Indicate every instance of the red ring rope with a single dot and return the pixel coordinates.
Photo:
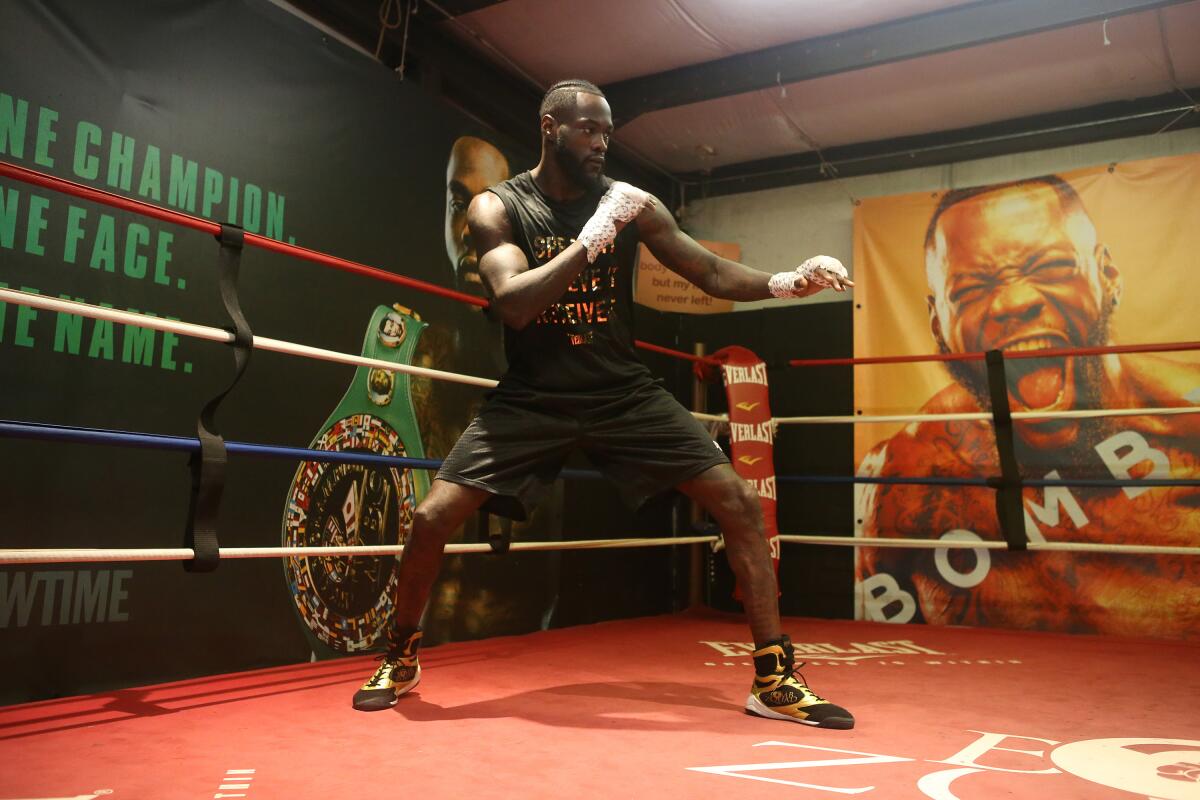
(1049, 352)
(255, 240)
(188, 221)
(36, 178)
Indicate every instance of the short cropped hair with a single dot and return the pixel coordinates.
(559, 99)
(1080, 226)
(1066, 193)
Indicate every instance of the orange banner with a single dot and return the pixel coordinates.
(660, 288)
(1105, 255)
(752, 432)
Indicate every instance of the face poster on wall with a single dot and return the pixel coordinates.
(1100, 256)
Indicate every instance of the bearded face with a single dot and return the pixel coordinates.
(581, 138)
(581, 168)
(1019, 269)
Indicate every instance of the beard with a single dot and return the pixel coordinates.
(1088, 378)
(572, 166)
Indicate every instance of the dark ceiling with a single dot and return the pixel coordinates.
(695, 123)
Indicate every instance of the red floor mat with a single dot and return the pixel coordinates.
(645, 708)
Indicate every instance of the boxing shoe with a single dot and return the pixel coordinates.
(398, 672)
(779, 692)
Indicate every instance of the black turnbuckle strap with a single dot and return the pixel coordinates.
(1008, 489)
(500, 540)
(208, 466)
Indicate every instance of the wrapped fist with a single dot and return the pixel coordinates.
(820, 270)
(620, 204)
(824, 271)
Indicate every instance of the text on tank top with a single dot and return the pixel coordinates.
(584, 341)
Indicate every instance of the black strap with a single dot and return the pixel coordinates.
(1008, 488)
(500, 540)
(208, 466)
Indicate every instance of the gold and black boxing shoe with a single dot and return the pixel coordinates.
(398, 673)
(778, 694)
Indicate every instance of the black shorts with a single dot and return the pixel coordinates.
(644, 442)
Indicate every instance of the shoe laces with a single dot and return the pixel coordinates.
(792, 674)
(383, 670)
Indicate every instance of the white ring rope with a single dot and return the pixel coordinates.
(219, 335)
(65, 556)
(278, 346)
(58, 556)
(97, 555)
(971, 416)
(953, 544)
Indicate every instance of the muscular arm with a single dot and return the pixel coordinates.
(716, 276)
(519, 294)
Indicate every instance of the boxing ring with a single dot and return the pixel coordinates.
(628, 708)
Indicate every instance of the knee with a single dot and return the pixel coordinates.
(431, 522)
(740, 502)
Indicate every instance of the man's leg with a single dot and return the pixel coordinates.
(437, 517)
(778, 691)
(732, 502)
(446, 507)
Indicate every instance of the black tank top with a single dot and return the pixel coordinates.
(584, 341)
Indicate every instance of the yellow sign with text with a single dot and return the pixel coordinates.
(660, 288)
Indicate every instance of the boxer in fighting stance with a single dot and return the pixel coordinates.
(556, 258)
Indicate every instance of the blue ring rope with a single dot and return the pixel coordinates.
(990, 482)
(153, 441)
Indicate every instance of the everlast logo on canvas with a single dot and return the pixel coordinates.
(888, 648)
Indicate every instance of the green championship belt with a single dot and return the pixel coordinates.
(346, 602)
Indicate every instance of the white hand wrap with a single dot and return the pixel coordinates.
(783, 284)
(620, 204)
(809, 269)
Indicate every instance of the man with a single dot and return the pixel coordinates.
(1019, 266)
(557, 247)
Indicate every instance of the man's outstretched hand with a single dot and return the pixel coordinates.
(818, 272)
(824, 271)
